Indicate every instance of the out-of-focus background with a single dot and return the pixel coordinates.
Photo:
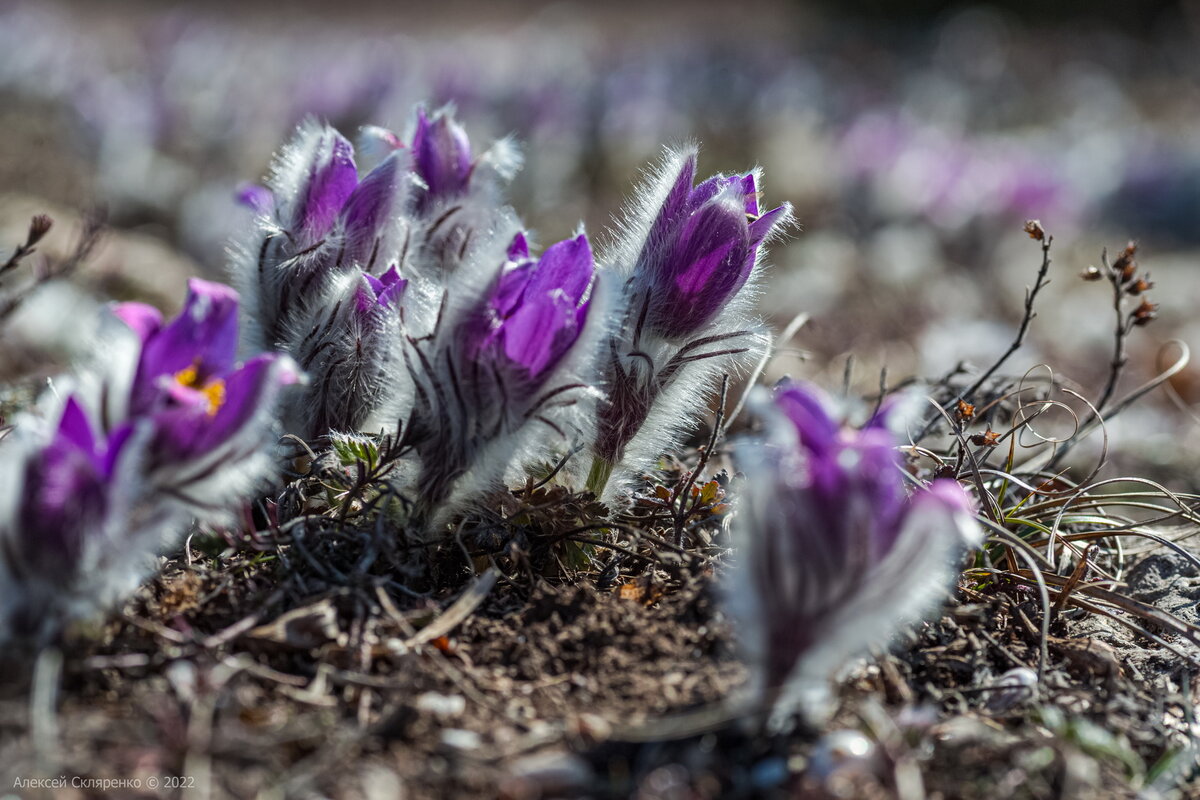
(913, 138)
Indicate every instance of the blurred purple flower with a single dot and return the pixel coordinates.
(834, 555)
(187, 379)
(66, 491)
(189, 384)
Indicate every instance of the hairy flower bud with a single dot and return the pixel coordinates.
(441, 156)
(700, 251)
(506, 365)
(689, 254)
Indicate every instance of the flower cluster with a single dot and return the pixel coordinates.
(329, 264)
(172, 429)
(834, 553)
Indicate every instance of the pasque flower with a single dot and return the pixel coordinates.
(441, 157)
(209, 413)
(690, 253)
(834, 554)
(504, 368)
(700, 251)
(169, 428)
(65, 490)
(349, 357)
(316, 220)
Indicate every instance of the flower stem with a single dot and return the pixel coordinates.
(598, 476)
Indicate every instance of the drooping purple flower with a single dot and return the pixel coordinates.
(187, 378)
(441, 156)
(700, 250)
(834, 554)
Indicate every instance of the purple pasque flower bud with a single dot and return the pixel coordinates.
(507, 365)
(207, 410)
(441, 157)
(330, 178)
(376, 293)
(347, 355)
(534, 312)
(834, 555)
(689, 253)
(316, 221)
(700, 250)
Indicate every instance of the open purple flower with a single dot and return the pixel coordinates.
(202, 402)
(700, 250)
(835, 556)
(441, 156)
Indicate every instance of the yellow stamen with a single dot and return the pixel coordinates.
(189, 377)
(213, 391)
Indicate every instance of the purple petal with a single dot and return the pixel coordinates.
(203, 338)
(368, 210)
(510, 289)
(540, 332)
(331, 179)
(143, 319)
(676, 204)
(519, 249)
(75, 428)
(804, 405)
(392, 277)
(442, 155)
(566, 267)
(750, 191)
(392, 293)
(375, 284)
(762, 226)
